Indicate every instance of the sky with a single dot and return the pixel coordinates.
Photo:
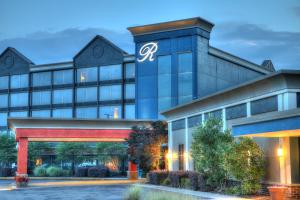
(55, 30)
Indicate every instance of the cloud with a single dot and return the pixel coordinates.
(49, 47)
(257, 43)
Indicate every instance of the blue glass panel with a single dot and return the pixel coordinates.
(111, 92)
(41, 79)
(3, 119)
(3, 101)
(19, 99)
(110, 112)
(130, 70)
(41, 98)
(185, 84)
(86, 94)
(3, 82)
(19, 81)
(111, 72)
(63, 77)
(90, 113)
(130, 91)
(130, 111)
(62, 96)
(18, 114)
(62, 113)
(164, 82)
(87, 75)
(41, 113)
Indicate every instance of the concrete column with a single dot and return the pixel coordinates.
(280, 102)
(285, 161)
(290, 100)
(22, 155)
(187, 146)
(224, 119)
(248, 105)
(170, 147)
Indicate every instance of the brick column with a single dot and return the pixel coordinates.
(132, 171)
(22, 155)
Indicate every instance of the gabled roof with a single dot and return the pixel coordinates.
(18, 53)
(102, 38)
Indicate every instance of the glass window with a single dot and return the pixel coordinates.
(3, 101)
(217, 114)
(181, 156)
(179, 124)
(62, 113)
(87, 75)
(111, 92)
(194, 121)
(19, 99)
(41, 113)
(130, 91)
(90, 112)
(130, 111)
(164, 82)
(129, 70)
(63, 77)
(298, 99)
(41, 98)
(111, 72)
(111, 112)
(41, 79)
(264, 105)
(185, 79)
(62, 96)
(19, 81)
(3, 119)
(237, 111)
(86, 94)
(3, 82)
(18, 114)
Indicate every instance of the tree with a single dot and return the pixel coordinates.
(73, 152)
(144, 145)
(209, 148)
(246, 164)
(8, 151)
(37, 150)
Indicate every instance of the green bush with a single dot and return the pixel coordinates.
(67, 173)
(166, 182)
(185, 183)
(39, 171)
(54, 171)
(134, 193)
(157, 177)
(166, 196)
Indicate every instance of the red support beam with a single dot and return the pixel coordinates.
(22, 155)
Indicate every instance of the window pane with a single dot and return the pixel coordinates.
(41, 113)
(130, 111)
(3, 101)
(194, 121)
(62, 96)
(3, 119)
(87, 75)
(3, 82)
(19, 81)
(130, 70)
(62, 113)
(41, 79)
(179, 124)
(41, 98)
(264, 105)
(185, 84)
(217, 114)
(111, 72)
(111, 112)
(130, 91)
(86, 94)
(298, 99)
(63, 77)
(112, 92)
(237, 111)
(164, 82)
(18, 114)
(19, 99)
(86, 112)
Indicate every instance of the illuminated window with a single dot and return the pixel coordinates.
(87, 75)
(110, 112)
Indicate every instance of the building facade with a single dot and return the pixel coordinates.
(173, 64)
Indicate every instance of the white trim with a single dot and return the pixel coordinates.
(170, 146)
(187, 146)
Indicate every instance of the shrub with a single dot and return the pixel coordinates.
(67, 172)
(40, 171)
(166, 182)
(54, 171)
(176, 176)
(103, 171)
(134, 193)
(194, 180)
(81, 172)
(93, 172)
(185, 183)
(6, 171)
(166, 196)
(157, 177)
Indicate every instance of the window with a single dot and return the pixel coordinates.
(194, 121)
(237, 111)
(3, 101)
(185, 79)
(298, 99)
(3, 82)
(3, 119)
(112, 92)
(87, 75)
(18, 114)
(19, 81)
(62, 96)
(63, 77)
(41, 113)
(86, 94)
(19, 99)
(181, 156)
(90, 112)
(264, 105)
(130, 91)
(130, 111)
(111, 72)
(164, 82)
(110, 112)
(129, 70)
(62, 113)
(41, 98)
(41, 79)
(179, 124)
(217, 114)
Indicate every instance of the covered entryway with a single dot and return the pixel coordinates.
(69, 130)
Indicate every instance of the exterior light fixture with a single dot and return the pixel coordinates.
(116, 113)
(82, 77)
(279, 152)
